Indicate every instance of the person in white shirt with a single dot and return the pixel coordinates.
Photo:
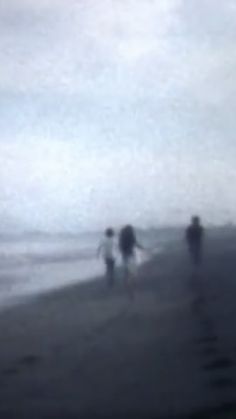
(107, 249)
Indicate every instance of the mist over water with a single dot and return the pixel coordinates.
(32, 264)
(55, 187)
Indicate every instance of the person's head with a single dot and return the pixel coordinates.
(129, 230)
(109, 232)
(196, 220)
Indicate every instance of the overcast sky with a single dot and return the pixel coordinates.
(116, 111)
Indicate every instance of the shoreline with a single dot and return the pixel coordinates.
(32, 294)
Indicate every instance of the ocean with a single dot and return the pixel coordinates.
(32, 264)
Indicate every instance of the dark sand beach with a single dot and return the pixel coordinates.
(85, 351)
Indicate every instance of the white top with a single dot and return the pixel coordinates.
(107, 248)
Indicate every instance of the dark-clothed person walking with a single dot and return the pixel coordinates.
(194, 237)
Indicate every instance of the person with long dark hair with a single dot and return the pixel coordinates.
(128, 244)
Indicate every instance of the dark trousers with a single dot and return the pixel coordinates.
(195, 250)
(110, 270)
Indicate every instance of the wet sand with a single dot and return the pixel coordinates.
(86, 351)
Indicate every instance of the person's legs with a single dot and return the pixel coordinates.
(193, 254)
(197, 254)
(129, 274)
(110, 268)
